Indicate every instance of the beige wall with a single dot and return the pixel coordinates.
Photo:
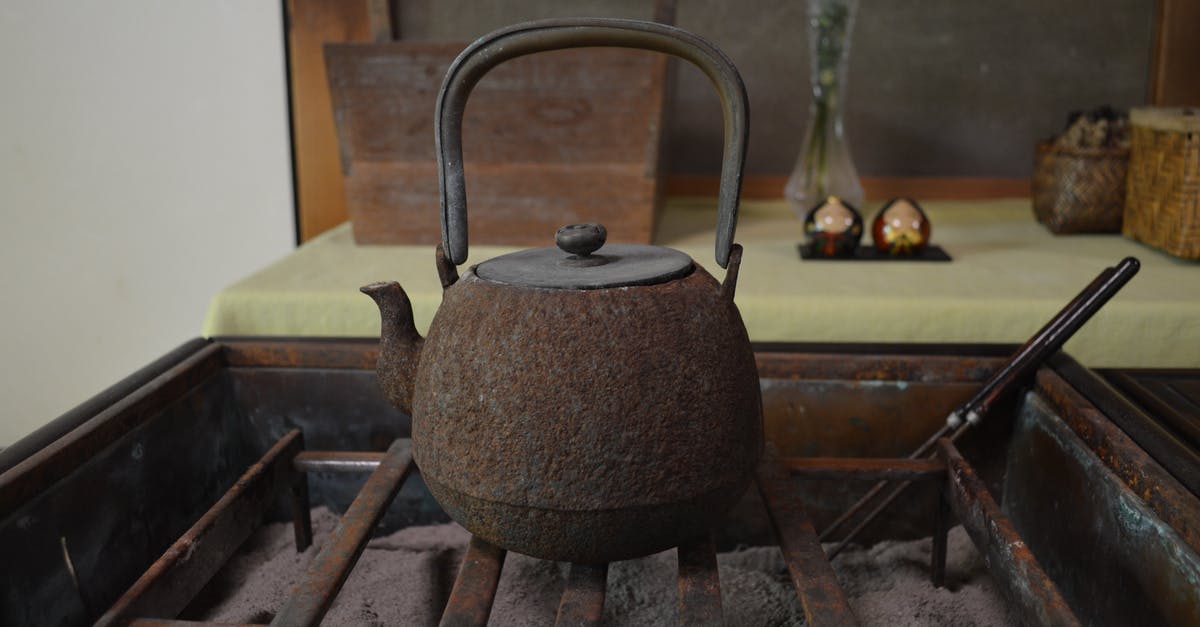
(143, 166)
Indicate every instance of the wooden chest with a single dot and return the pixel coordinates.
(549, 139)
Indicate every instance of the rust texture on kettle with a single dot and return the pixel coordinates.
(399, 343)
(587, 426)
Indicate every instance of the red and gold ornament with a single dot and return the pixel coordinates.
(833, 229)
(901, 228)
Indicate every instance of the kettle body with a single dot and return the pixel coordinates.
(587, 426)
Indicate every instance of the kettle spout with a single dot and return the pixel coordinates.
(399, 343)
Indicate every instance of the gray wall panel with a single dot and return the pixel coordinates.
(936, 87)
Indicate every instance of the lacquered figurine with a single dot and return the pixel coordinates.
(901, 228)
(833, 229)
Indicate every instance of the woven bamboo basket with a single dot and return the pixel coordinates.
(1162, 205)
(1079, 190)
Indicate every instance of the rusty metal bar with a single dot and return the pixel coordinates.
(883, 504)
(301, 509)
(864, 468)
(165, 622)
(822, 597)
(941, 531)
(1010, 561)
(312, 598)
(699, 584)
(1147, 387)
(879, 362)
(174, 579)
(891, 496)
(582, 601)
(324, 353)
(338, 461)
(475, 588)
(875, 491)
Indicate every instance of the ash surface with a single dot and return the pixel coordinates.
(405, 579)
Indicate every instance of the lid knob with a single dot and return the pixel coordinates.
(581, 239)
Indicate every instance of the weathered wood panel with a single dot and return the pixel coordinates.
(549, 139)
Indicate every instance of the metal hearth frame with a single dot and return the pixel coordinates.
(171, 583)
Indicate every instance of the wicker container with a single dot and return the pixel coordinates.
(1079, 190)
(1162, 207)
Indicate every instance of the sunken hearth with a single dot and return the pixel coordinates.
(127, 513)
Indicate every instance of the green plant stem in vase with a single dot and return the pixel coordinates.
(825, 167)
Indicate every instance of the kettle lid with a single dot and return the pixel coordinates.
(581, 261)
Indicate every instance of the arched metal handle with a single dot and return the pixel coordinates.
(522, 39)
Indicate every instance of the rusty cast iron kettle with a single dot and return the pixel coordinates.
(588, 404)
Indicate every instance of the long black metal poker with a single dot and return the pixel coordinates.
(1048, 340)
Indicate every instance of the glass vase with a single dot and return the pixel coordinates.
(825, 167)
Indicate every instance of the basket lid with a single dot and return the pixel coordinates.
(1179, 119)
